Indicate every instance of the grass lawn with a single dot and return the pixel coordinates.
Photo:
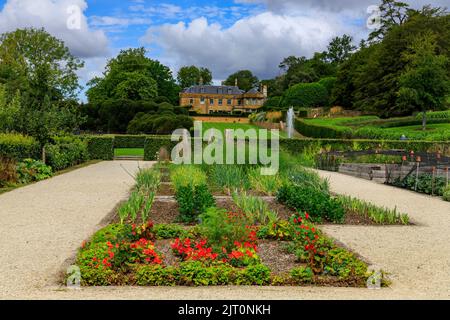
(129, 152)
(223, 126)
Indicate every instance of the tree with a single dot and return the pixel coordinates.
(192, 76)
(136, 86)
(38, 64)
(9, 111)
(245, 80)
(392, 13)
(116, 81)
(340, 49)
(425, 83)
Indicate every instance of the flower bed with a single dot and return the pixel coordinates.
(240, 240)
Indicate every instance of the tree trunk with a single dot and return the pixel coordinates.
(424, 121)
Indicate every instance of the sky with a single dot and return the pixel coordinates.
(224, 36)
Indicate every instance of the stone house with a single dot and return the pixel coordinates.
(222, 99)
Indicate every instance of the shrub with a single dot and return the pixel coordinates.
(254, 275)
(309, 199)
(18, 147)
(153, 145)
(446, 195)
(156, 275)
(302, 275)
(223, 229)
(129, 141)
(8, 172)
(186, 175)
(170, 231)
(65, 152)
(161, 123)
(306, 95)
(344, 264)
(425, 184)
(30, 170)
(328, 83)
(231, 178)
(197, 274)
(100, 147)
(193, 201)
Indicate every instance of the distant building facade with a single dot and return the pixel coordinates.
(219, 99)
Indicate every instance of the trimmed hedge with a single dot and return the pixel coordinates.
(100, 147)
(370, 131)
(305, 95)
(298, 145)
(66, 152)
(18, 147)
(154, 143)
(129, 141)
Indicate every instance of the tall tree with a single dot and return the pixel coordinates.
(38, 64)
(191, 76)
(425, 83)
(392, 13)
(245, 80)
(340, 49)
(133, 75)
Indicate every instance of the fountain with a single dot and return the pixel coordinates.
(290, 123)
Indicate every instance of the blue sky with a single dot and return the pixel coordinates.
(224, 36)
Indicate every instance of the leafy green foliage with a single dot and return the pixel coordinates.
(230, 178)
(446, 194)
(192, 76)
(193, 201)
(17, 146)
(30, 170)
(425, 184)
(133, 76)
(100, 147)
(305, 198)
(170, 231)
(305, 95)
(302, 275)
(377, 214)
(245, 80)
(159, 124)
(65, 152)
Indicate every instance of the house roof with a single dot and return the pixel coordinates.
(214, 90)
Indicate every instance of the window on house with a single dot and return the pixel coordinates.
(211, 101)
(229, 102)
(191, 101)
(202, 100)
(220, 102)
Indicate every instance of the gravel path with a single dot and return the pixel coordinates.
(43, 224)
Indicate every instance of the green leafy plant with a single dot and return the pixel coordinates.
(302, 275)
(377, 214)
(264, 184)
(255, 208)
(30, 170)
(148, 180)
(170, 231)
(193, 201)
(230, 178)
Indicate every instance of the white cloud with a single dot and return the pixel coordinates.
(53, 16)
(258, 43)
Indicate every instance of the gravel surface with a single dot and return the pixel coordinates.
(42, 225)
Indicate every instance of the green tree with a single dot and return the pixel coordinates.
(115, 83)
(39, 65)
(136, 86)
(245, 80)
(340, 49)
(191, 76)
(392, 13)
(9, 111)
(425, 83)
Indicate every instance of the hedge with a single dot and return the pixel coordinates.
(298, 145)
(129, 141)
(154, 143)
(305, 95)
(66, 152)
(368, 132)
(18, 147)
(100, 147)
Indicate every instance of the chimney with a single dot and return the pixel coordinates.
(201, 81)
(265, 92)
(236, 82)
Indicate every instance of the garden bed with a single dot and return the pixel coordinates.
(197, 239)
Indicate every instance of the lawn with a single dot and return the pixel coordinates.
(138, 152)
(223, 126)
